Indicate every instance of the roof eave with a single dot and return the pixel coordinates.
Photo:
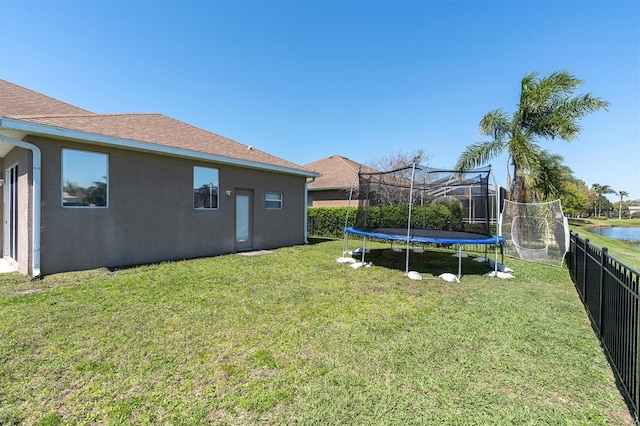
(30, 128)
(329, 188)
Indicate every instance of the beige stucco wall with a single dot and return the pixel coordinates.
(151, 218)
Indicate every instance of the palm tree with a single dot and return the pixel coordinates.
(547, 109)
(622, 194)
(601, 190)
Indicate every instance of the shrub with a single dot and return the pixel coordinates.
(330, 221)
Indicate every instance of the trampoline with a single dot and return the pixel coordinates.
(427, 236)
(420, 205)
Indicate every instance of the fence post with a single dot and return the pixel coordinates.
(637, 373)
(574, 238)
(603, 271)
(584, 269)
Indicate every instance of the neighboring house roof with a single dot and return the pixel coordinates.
(36, 114)
(337, 173)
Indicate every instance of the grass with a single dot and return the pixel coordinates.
(293, 337)
(621, 250)
(609, 222)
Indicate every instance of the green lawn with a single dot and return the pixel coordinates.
(293, 337)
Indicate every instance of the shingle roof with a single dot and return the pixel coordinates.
(26, 105)
(160, 130)
(18, 100)
(337, 172)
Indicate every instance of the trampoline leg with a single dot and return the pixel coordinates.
(459, 261)
(364, 247)
(345, 244)
(406, 267)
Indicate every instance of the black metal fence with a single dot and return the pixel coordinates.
(609, 290)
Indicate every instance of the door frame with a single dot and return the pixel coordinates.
(243, 221)
(32, 170)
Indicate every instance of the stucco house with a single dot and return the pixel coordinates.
(84, 190)
(332, 188)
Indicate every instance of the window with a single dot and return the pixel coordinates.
(84, 178)
(205, 188)
(273, 200)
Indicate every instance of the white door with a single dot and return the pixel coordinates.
(243, 220)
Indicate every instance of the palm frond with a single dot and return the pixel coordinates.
(528, 83)
(555, 123)
(550, 110)
(479, 154)
(582, 105)
(496, 124)
(561, 83)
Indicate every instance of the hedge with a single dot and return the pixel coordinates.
(330, 221)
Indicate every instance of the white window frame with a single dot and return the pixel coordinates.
(276, 198)
(62, 178)
(216, 184)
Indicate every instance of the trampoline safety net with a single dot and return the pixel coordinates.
(434, 199)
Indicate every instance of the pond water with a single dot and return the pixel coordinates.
(619, 233)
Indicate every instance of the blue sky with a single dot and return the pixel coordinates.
(304, 80)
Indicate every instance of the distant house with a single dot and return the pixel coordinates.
(84, 190)
(332, 189)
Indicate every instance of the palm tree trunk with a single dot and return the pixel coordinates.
(620, 209)
(518, 191)
(599, 205)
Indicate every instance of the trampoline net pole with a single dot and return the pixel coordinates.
(498, 215)
(413, 173)
(346, 219)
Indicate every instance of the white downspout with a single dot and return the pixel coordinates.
(36, 190)
(306, 206)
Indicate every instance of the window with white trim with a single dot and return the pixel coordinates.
(85, 178)
(273, 200)
(205, 188)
